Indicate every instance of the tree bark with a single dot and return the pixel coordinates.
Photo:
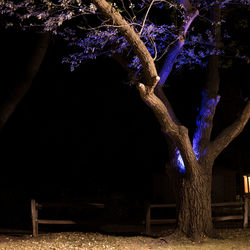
(194, 205)
(31, 68)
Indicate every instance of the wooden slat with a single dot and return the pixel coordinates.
(219, 218)
(229, 217)
(70, 204)
(220, 204)
(227, 204)
(162, 221)
(56, 222)
(97, 205)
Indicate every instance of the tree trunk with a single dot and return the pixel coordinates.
(194, 214)
(29, 71)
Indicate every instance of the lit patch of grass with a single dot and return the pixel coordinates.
(232, 239)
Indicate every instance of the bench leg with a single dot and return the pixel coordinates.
(34, 216)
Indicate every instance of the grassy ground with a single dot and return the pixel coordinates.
(232, 239)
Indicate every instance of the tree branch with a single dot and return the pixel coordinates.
(174, 51)
(178, 133)
(228, 134)
(210, 98)
(145, 18)
(175, 48)
(133, 39)
(171, 57)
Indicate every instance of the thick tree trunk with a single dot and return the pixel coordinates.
(194, 217)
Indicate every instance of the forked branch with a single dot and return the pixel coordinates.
(178, 133)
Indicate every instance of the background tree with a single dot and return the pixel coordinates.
(29, 67)
(27, 73)
(131, 33)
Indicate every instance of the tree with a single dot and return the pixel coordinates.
(29, 68)
(26, 77)
(137, 40)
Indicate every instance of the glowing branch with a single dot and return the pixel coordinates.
(176, 47)
(188, 21)
(204, 124)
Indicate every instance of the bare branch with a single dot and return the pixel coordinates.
(146, 15)
(124, 7)
(229, 133)
(133, 39)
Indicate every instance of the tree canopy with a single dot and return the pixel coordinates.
(159, 23)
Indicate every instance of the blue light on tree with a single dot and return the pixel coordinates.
(208, 106)
(180, 163)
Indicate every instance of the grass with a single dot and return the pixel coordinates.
(232, 239)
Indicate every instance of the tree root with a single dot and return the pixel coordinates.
(196, 238)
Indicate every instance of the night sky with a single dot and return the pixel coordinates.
(88, 133)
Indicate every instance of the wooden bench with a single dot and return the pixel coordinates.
(243, 216)
(35, 206)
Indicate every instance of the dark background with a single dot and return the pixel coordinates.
(87, 135)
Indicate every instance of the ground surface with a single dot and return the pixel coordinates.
(232, 239)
